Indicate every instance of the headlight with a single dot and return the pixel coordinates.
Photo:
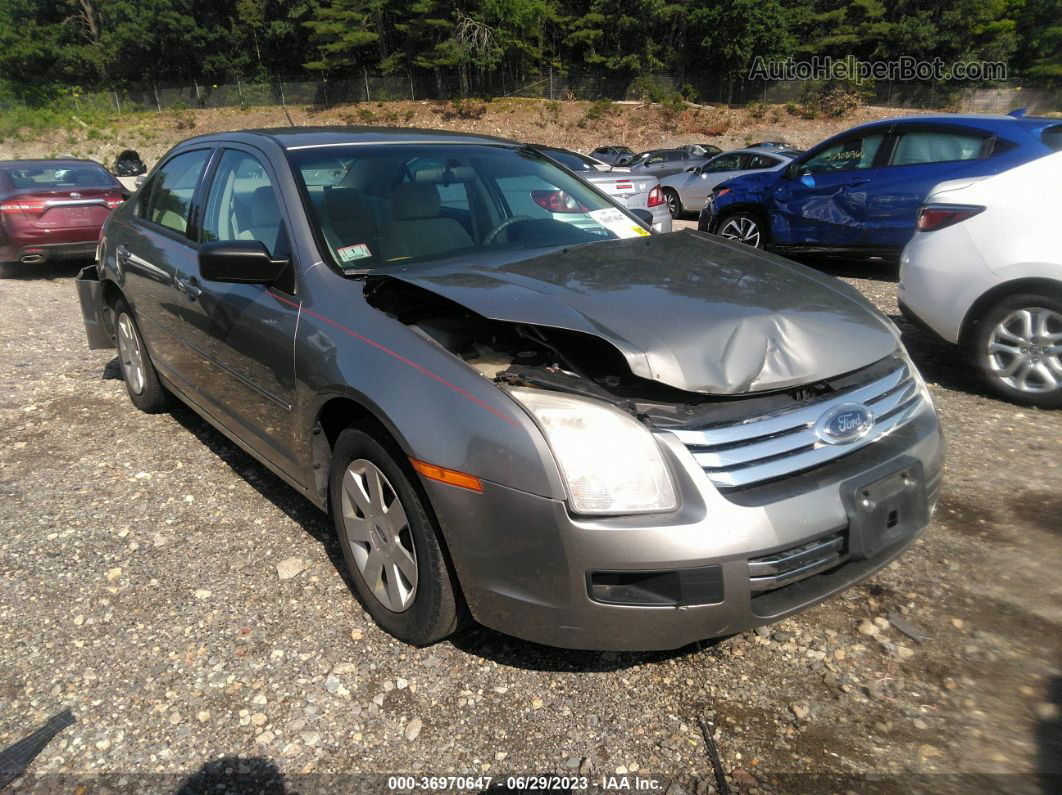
(919, 381)
(610, 462)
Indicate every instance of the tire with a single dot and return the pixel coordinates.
(420, 609)
(743, 227)
(141, 381)
(1017, 347)
(674, 203)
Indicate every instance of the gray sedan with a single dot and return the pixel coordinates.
(516, 403)
(688, 190)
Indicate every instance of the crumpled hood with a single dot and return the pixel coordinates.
(696, 313)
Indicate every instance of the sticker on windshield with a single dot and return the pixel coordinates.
(617, 223)
(352, 253)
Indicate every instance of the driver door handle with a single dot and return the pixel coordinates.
(189, 287)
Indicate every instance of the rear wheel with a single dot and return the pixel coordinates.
(674, 203)
(141, 381)
(390, 541)
(1018, 349)
(744, 227)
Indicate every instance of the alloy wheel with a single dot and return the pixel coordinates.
(379, 534)
(672, 203)
(130, 354)
(1025, 350)
(742, 229)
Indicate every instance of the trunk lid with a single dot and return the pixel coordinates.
(63, 208)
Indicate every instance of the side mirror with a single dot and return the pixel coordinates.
(644, 216)
(239, 262)
(693, 168)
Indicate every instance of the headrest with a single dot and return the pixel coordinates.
(264, 209)
(413, 200)
(343, 204)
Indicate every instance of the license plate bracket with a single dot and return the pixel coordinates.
(884, 509)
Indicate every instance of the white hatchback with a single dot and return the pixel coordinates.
(984, 270)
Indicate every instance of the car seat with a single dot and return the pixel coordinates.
(417, 229)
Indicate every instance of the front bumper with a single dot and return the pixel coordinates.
(661, 218)
(524, 561)
(706, 218)
(90, 296)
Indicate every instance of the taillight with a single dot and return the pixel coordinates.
(656, 197)
(932, 217)
(22, 206)
(113, 201)
(557, 201)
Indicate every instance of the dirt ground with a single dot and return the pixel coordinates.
(140, 588)
(569, 124)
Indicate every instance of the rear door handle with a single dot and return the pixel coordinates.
(189, 287)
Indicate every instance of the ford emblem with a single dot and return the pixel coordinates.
(845, 423)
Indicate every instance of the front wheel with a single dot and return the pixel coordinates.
(389, 540)
(674, 203)
(744, 228)
(1018, 349)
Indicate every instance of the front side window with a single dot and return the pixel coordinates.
(731, 162)
(408, 203)
(924, 146)
(242, 204)
(852, 153)
(168, 200)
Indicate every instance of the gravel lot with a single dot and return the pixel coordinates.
(139, 587)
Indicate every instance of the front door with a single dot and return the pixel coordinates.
(824, 203)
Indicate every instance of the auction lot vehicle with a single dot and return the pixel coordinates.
(857, 195)
(585, 436)
(984, 270)
(688, 190)
(633, 191)
(53, 210)
(611, 154)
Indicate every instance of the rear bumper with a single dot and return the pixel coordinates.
(33, 253)
(525, 563)
(661, 218)
(90, 296)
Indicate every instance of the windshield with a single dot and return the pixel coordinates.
(73, 175)
(404, 203)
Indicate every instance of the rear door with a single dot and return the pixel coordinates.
(825, 202)
(245, 333)
(152, 250)
(920, 156)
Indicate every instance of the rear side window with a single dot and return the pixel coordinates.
(168, 201)
(731, 162)
(923, 146)
(762, 161)
(1052, 138)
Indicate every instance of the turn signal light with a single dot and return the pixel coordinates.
(449, 476)
(932, 217)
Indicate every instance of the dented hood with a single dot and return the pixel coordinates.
(690, 311)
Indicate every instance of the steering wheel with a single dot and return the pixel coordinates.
(493, 233)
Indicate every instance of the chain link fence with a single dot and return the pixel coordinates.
(552, 84)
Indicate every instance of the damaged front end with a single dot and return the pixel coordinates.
(526, 355)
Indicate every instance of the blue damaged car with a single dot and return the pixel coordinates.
(857, 194)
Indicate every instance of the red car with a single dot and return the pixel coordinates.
(53, 209)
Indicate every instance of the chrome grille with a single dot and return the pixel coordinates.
(776, 445)
(788, 566)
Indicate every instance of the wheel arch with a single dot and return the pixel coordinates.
(979, 308)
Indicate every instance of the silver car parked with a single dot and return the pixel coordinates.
(688, 190)
(633, 191)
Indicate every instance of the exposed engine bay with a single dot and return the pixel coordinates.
(578, 363)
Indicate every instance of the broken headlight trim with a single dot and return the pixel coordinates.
(610, 462)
